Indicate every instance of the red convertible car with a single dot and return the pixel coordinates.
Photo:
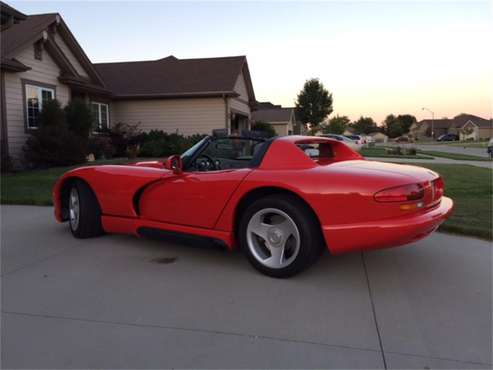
(282, 201)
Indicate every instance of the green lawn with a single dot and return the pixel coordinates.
(379, 152)
(470, 188)
(456, 156)
(34, 187)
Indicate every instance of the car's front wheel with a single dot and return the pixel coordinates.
(84, 211)
(280, 235)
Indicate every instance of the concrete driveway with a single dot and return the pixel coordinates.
(110, 303)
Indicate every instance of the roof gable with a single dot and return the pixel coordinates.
(44, 27)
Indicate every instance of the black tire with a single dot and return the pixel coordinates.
(311, 241)
(89, 222)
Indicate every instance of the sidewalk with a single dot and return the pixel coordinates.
(437, 160)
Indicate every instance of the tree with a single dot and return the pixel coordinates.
(407, 121)
(314, 102)
(392, 127)
(398, 126)
(264, 127)
(364, 125)
(336, 125)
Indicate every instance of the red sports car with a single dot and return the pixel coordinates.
(282, 201)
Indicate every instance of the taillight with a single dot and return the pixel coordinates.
(439, 187)
(404, 193)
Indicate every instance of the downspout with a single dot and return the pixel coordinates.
(3, 123)
(226, 113)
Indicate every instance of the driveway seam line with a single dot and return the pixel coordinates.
(379, 336)
(197, 330)
(33, 263)
(238, 335)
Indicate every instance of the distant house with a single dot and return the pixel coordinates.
(42, 60)
(467, 126)
(283, 120)
(379, 137)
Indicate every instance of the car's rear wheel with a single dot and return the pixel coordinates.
(280, 235)
(84, 211)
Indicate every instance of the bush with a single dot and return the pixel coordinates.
(412, 151)
(158, 143)
(53, 144)
(101, 147)
(79, 118)
(265, 128)
(396, 150)
(125, 138)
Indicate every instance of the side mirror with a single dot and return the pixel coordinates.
(174, 163)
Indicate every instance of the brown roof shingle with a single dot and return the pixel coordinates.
(25, 31)
(171, 76)
(273, 115)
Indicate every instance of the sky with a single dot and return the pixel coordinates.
(376, 58)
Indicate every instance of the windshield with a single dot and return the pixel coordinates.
(188, 154)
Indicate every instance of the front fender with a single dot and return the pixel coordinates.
(113, 185)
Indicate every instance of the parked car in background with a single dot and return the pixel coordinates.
(403, 139)
(357, 138)
(490, 148)
(448, 137)
(350, 143)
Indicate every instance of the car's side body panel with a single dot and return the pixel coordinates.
(192, 199)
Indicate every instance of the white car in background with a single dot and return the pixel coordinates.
(350, 143)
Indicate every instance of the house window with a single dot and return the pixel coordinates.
(36, 96)
(100, 113)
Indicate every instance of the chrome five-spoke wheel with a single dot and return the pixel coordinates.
(74, 208)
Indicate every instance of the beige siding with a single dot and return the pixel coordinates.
(185, 116)
(240, 87)
(239, 106)
(281, 128)
(240, 103)
(43, 71)
(70, 56)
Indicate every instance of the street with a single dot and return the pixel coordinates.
(123, 302)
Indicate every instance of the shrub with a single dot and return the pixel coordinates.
(101, 147)
(53, 144)
(157, 143)
(79, 118)
(124, 137)
(412, 151)
(265, 128)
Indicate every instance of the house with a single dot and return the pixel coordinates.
(379, 137)
(283, 120)
(187, 96)
(42, 60)
(467, 126)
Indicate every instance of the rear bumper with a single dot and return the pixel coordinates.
(386, 233)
